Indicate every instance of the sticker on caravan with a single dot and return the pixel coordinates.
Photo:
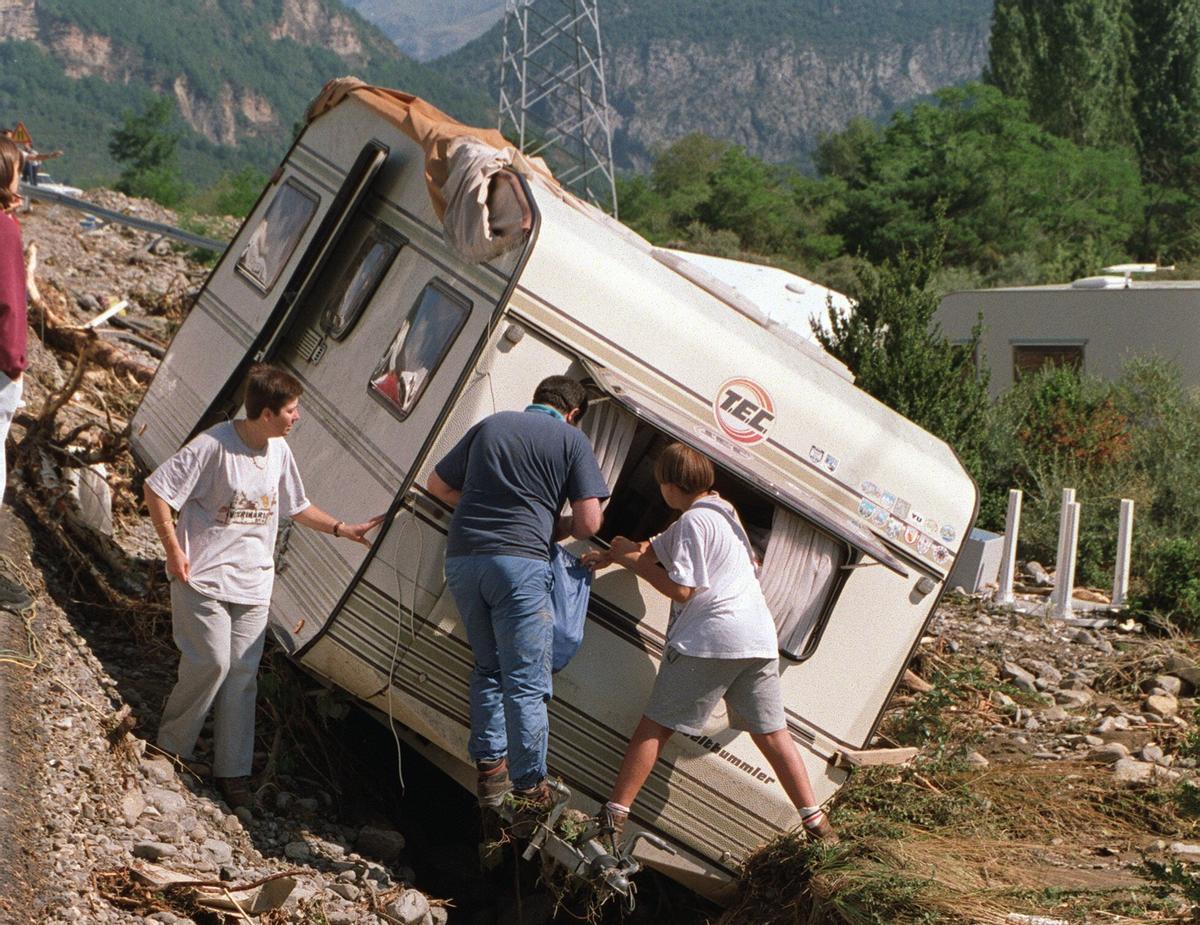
(743, 410)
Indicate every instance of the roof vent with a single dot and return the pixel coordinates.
(1099, 282)
(1125, 281)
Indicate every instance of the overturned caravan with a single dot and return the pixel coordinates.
(417, 275)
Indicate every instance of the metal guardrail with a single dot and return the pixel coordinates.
(109, 215)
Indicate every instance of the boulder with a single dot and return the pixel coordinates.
(1109, 753)
(133, 804)
(1163, 705)
(976, 760)
(1132, 771)
(411, 908)
(382, 844)
(1073, 700)
(1164, 683)
(1043, 669)
(1037, 573)
(1186, 670)
(153, 850)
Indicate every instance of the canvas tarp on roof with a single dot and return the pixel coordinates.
(440, 136)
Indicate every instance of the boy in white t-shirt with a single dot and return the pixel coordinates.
(721, 639)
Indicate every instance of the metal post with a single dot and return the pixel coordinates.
(1124, 544)
(1068, 498)
(1008, 559)
(1065, 578)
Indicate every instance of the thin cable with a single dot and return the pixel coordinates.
(412, 637)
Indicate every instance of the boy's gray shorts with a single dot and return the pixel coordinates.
(687, 690)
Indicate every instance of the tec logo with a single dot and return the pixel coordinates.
(743, 410)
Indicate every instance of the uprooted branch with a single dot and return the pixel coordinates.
(49, 314)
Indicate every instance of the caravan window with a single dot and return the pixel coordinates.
(358, 281)
(801, 567)
(277, 234)
(419, 347)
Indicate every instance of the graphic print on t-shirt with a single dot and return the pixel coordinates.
(246, 510)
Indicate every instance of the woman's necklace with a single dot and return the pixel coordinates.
(258, 458)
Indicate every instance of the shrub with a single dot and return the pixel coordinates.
(1137, 438)
(1172, 582)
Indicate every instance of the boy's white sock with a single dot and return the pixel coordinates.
(616, 808)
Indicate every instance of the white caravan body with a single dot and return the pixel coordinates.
(342, 267)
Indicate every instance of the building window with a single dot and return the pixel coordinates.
(419, 347)
(357, 283)
(277, 234)
(1029, 358)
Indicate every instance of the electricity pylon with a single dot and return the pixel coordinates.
(552, 93)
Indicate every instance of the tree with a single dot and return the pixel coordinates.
(1166, 107)
(145, 144)
(1006, 186)
(898, 353)
(1070, 61)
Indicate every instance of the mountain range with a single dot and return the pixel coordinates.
(240, 71)
(770, 75)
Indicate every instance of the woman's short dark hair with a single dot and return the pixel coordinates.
(683, 467)
(562, 393)
(269, 387)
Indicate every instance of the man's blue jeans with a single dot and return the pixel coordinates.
(505, 604)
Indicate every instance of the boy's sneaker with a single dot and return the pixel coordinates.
(530, 808)
(13, 596)
(817, 826)
(612, 824)
(492, 784)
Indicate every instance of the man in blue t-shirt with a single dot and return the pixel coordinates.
(507, 479)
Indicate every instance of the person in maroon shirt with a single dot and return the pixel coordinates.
(13, 327)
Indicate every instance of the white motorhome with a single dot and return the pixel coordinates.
(342, 275)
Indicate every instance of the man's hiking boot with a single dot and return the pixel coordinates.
(817, 826)
(492, 784)
(13, 596)
(530, 808)
(612, 827)
(236, 792)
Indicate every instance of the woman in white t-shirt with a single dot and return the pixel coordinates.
(721, 640)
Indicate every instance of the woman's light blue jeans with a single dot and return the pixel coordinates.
(504, 602)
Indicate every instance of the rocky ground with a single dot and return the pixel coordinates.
(97, 813)
(1105, 693)
(90, 814)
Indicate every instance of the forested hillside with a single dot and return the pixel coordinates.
(240, 73)
(769, 75)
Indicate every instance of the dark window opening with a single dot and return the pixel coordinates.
(419, 347)
(1029, 358)
(637, 509)
(801, 568)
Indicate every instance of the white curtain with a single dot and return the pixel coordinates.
(610, 429)
(797, 577)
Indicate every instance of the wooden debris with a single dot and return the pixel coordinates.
(915, 682)
(50, 315)
(247, 899)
